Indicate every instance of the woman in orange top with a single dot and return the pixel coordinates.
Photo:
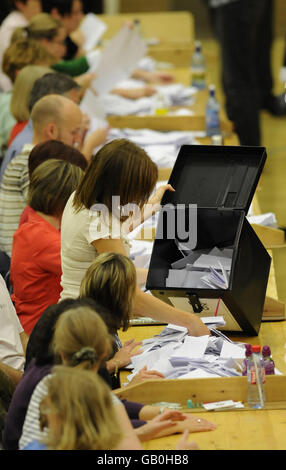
(35, 270)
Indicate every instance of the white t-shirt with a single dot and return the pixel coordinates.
(78, 231)
(11, 349)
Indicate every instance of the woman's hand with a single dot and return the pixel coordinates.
(193, 423)
(155, 200)
(145, 374)
(162, 423)
(124, 355)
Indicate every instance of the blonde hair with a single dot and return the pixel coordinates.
(81, 336)
(51, 185)
(41, 26)
(87, 417)
(111, 281)
(25, 52)
(23, 85)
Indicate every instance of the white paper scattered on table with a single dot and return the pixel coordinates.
(232, 350)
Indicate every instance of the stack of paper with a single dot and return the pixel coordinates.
(268, 219)
(201, 268)
(177, 355)
(162, 147)
(117, 105)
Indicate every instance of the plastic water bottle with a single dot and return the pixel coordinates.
(160, 105)
(255, 378)
(198, 67)
(212, 113)
(268, 362)
(137, 27)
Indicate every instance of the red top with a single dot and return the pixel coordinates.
(16, 129)
(25, 215)
(35, 270)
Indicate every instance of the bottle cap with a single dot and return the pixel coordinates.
(198, 45)
(256, 348)
(266, 351)
(212, 90)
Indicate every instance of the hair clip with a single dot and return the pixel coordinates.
(84, 354)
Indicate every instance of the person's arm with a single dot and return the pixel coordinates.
(134, 93)
(129, 440)
(153, 77)
(14, 374)
(24, 340)
(93, 140)
(73, 67)
(123, 357)
(146, 304)
(150, 208)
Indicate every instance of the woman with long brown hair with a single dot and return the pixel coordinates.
(120, 176)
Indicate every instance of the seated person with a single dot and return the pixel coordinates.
(70, 14)
(39, 361)
(87, 416)
(36, 262)
(81, 341)
(54, 117)
(50, 83)
(21, 11)
(13, 339)
(20, 96)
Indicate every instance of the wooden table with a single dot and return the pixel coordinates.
(172, 32)
(168, 122)
(236, 430)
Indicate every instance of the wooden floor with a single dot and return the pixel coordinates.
(271, 192)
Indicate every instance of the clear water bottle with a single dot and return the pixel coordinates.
(268, 362)
(198, 67)
(160, 104)
(212, 113)
(255, 378)
(137, 27)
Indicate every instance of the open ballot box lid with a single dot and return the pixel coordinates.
(206, 258)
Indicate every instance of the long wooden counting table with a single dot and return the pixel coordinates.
(241, 429)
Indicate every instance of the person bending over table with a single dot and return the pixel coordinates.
(120, 174)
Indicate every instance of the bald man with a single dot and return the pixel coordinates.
(54, 117)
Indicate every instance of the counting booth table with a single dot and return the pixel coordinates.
(171, 39)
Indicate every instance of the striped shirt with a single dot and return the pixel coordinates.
(31, 430)
(13, 195)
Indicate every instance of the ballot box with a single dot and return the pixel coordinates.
(206, 258)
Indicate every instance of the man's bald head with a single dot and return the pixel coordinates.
(56, 117)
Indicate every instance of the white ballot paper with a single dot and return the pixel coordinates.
(176, 354)
(119, 58)
(92, 28)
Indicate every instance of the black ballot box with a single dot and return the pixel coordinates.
(206, 257)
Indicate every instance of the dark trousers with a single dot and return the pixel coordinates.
(244, 31)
